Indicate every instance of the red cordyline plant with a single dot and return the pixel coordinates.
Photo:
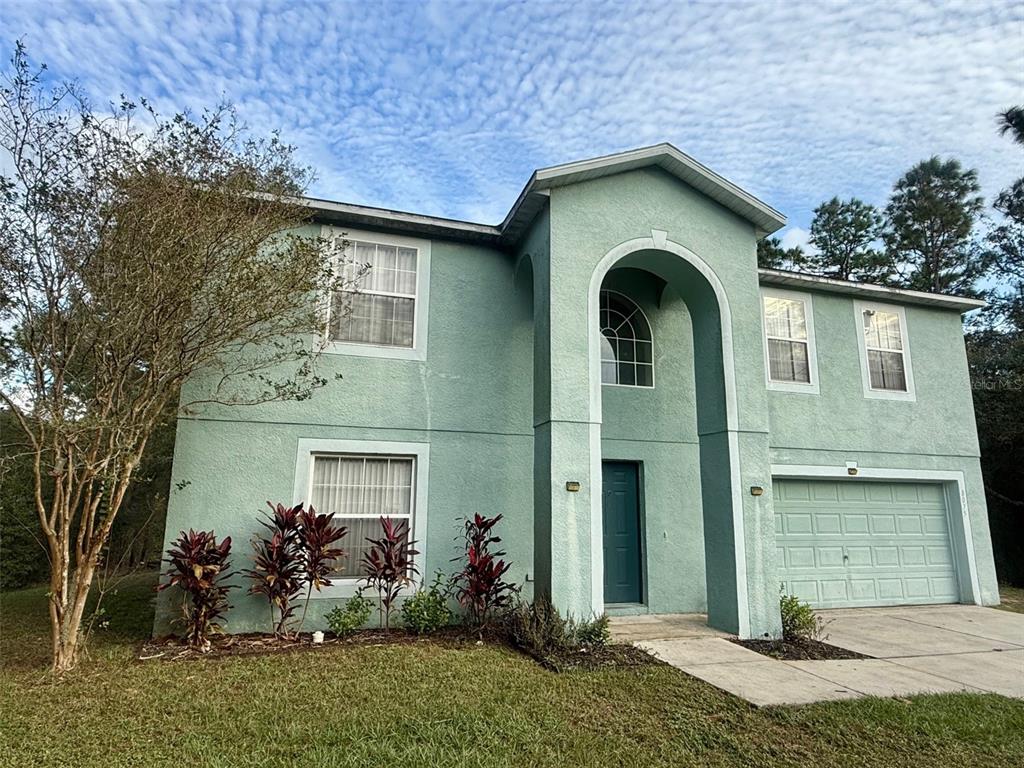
(278, 565)
(199, 566)
(317, 536)
(388, 565)
(480, 587)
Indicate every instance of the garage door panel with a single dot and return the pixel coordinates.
(801, 557)
(794, 524)
(852, 492)
(939, 556)
(820, 492)
(885, 556)
(863, 590)
(909, 524)
(855, 524)
(834, 590)
(861, 543)
(830, 557)
(920, 587)
(805, 590)
(911, 556)
(882, 525)
(879, 493)
(906, 492)
(859, 556)
(825, 524)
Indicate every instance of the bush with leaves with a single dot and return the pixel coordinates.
(540, 629)
(199, 567)
(388, 565)
(537, 628)
(593, 633)
(799, 621)
(480, 586)
(318, 535)
(346, 619)
(278, 565)
(427, 610)
(154, 250)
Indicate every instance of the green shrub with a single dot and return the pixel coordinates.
(427, 610)
(538, 628)
(346, 619)
(799, 621)
(593, 633)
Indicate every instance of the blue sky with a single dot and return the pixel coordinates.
(445, 108)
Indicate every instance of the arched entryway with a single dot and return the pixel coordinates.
(715, 390)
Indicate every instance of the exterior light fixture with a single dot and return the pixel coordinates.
(572, 486)
(756, 490)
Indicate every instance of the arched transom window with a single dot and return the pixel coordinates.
(627, 350)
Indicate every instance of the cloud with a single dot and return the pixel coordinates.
(445, 108)
(797, 237)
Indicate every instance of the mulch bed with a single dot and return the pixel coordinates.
(170, 648)
(799, 650)
(589, 659)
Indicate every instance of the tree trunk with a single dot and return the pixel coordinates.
(68, 595)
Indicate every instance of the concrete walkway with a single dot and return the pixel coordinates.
(930, 649)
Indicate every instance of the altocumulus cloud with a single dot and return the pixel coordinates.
(445, 108)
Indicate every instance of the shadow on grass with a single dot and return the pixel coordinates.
(126, 618)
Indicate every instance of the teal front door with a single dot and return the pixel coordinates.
(622, 564)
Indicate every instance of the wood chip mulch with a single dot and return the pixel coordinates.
(799, 650)
(170, 648)
(590, 659)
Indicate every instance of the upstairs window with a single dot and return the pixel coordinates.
(886, 368)
(789, 341)
(627, 348)
(785, 323)
(381, 307)
(883, 344)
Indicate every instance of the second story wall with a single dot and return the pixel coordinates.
(476, 374)
(937, 420)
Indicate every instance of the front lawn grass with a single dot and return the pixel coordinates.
(430, 705)
(1011, 598)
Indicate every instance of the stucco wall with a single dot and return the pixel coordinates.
(588, 221)
(657, 427)
(504, 400)
(472, 400)
(934, 432)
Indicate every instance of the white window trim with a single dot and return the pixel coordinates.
(859, 307)
(807, 388)
(419, 452)
(418, 350)
(650, 328)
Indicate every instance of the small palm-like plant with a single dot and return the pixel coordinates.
(388, 565)
(278, 564)
(480, 586)
(318, 535)
(199, 566)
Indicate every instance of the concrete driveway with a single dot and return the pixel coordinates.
(980, 648)
(929, 649)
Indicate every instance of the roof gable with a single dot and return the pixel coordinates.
(764, 218)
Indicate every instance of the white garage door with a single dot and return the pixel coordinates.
(858, 543)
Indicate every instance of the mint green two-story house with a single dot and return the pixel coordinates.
(665, 427)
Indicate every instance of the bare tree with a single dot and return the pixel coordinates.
(147, 264)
